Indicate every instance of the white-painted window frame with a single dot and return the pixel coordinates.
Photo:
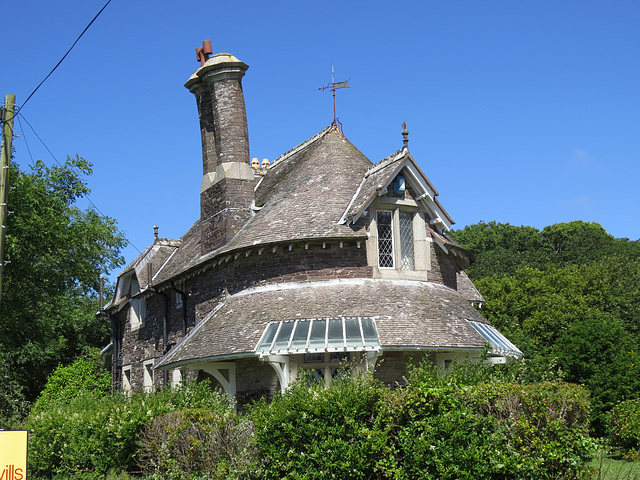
(137, 313)
(127, 385)
(148, 384)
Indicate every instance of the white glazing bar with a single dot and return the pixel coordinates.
(364, 342)
(344, 333)
(275, 337)
(309, 334)
(293, 331)
(326, 333)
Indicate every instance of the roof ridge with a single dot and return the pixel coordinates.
(384, 162)
(299, 147)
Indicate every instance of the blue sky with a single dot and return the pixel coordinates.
(523, 112)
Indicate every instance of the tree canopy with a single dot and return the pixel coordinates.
(566, 295)
(56, 253)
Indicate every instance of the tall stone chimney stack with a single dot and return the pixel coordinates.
(226, 192)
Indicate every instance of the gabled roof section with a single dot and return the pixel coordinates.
(135, 277)
(377, 178)
(185, 257)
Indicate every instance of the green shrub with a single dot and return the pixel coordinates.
(449, 428)
(310, 432)
(184, 443)
(67, 382)
(624, 428)
(93, 433)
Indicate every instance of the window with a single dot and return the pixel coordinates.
(138, 312)
(406, 241)
(319, 335)
(385, 240)
(147, 372)
(395, 240)
(324, 366)
(126, 379)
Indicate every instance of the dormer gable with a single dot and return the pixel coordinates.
(140, 274)
(394, 177)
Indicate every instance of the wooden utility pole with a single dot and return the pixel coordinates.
(5, 160)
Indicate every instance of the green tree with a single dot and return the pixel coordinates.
(584, 318)
(500, 248)
(600, 354)
(57, 252)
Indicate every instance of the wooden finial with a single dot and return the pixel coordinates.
(405, 135)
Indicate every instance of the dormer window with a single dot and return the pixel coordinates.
(395, 239)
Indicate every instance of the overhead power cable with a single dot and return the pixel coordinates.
(87, 196)
(65, 55)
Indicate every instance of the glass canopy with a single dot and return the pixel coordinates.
(499, 343)
(319, 335)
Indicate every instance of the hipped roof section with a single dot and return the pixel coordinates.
(304, 192)
(418, 315)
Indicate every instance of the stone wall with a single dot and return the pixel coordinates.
(303, 263)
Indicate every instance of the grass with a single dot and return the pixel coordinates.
(608, 468)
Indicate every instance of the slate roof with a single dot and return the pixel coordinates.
(304, 193)
(158, 254)
(301, 197)
(408, 314)
(467, 289)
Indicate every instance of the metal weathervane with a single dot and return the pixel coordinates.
(333, 86)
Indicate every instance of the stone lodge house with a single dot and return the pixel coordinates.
(318, 259)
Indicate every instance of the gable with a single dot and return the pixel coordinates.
(379, 180)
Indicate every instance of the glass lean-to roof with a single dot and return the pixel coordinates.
(499, 343)
(319, 335)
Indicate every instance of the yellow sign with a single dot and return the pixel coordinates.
(13, 455)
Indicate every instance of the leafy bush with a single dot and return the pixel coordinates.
(310, 432)
(624, 428)
(94, 433)
(449, 428)
(67, 382)
(212, 443)
(468, 424)
(13, 405)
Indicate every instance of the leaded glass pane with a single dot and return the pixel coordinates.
(317, 375)
(406, 241)
(385, 240)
